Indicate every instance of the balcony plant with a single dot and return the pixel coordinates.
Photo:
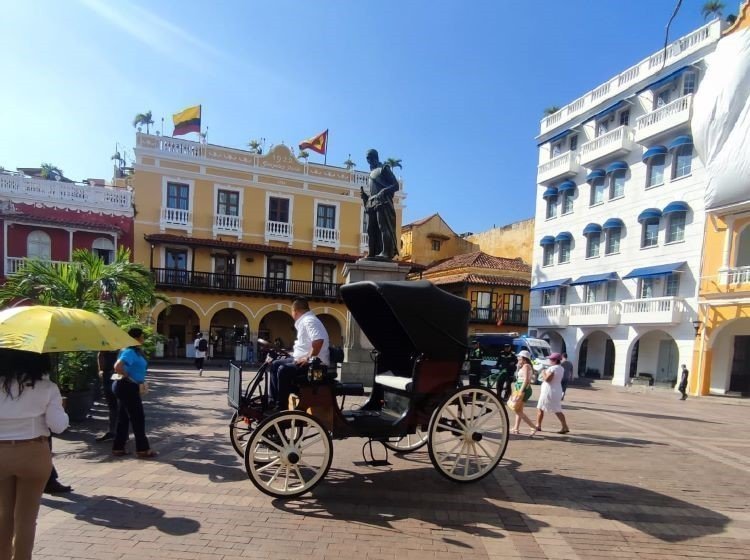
(143, 119)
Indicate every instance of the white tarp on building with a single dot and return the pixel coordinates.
(721, 120)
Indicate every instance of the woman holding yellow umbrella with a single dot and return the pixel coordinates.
(30, 408)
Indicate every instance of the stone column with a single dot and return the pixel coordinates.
(358, 366)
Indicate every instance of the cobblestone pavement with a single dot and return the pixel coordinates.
(641, 474)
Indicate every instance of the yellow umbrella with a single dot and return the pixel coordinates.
(41, 329)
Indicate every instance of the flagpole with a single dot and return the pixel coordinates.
(325, 154)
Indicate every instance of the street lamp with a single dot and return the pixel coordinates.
(697, 324)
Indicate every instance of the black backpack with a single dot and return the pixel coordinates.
(335, 354)
(203, 345)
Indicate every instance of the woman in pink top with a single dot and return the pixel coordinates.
(30, 407)
(550, 397)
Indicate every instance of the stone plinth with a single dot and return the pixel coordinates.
(358, 366)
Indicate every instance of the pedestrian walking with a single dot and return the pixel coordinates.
(475, 362)
(30, 408)
(550, 397)
(682, 388)
(201, 347)
(522, 392)
(567, 366)
(130, 370)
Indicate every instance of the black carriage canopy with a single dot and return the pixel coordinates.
(410, 317)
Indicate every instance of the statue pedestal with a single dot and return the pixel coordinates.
(358, 366)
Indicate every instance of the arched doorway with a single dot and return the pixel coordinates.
(655, 354)
(555, 340)
(228, 327)
(730, 351)
(333, 329)
(596, 356)
(178, 323)
(278, 327)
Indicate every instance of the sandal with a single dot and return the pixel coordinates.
(563, 431)
(148, 454)
(514, 432)
(120, 452)
(532, 433)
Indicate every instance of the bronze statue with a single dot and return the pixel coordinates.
(381, 215)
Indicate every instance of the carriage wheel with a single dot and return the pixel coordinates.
(468, 434)
(288, 454)
(408, 443)
(239, 432)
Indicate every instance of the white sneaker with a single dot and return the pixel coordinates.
(200, 372)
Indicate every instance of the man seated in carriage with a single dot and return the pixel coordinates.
(311, 342)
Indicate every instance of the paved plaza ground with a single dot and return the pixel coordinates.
(641, 475)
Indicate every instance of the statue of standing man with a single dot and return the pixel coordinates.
(381, 214)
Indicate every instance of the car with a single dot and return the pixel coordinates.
(493, 343)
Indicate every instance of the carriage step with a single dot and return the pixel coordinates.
(349, 389)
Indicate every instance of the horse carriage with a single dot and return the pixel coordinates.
(418, 398)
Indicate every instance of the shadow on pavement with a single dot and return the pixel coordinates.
(641, 414)
(200, 455)
(121, 513)
(378, 498)
(381, 498)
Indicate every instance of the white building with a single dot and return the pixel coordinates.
(619, 219)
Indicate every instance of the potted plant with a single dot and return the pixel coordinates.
(77, 377)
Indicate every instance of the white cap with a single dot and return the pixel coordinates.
(524, 354)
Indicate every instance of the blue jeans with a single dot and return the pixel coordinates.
(282, 373)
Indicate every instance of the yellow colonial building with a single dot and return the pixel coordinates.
(233, 236)
(722, 349)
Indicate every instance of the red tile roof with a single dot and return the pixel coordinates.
(479, 259)
(485, 279)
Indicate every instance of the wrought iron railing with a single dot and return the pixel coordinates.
(506, 316)
(167, 278)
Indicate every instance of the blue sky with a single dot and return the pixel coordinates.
(454, 89)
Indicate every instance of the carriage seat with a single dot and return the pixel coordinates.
(393, 381)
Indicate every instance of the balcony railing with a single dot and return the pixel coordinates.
(652, 311)
(549, 316)
(167, 278)
(664, 119)
(176, 218)
(735, 276)
(602, 313)
(279, 231)
(97, 198)
(227, 224)
(559, 167)
(639, 73)
(616, 142)
(13, 264)
(326, 236)
(503, 316)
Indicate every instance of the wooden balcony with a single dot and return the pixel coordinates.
(505, 316)
(197, 281)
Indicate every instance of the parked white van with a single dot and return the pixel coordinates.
(492, 344)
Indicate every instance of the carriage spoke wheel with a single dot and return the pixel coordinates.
(239, 432)
(468, 434)
(288, 454)
(408, 443)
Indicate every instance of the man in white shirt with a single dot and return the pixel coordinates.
(312, 342)
(201, 347)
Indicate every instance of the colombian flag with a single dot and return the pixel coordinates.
(317, 143)
(187, 121)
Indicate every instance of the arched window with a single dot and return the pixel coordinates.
(743, 248)
(682, 161)
(104, 249)
(39, 246)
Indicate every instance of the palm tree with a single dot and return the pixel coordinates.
(120, 291)
(393, 163)
(712, 9)
(254, 146)
(551, 110)
(143, 119)
(349, 164)
(304, 154)
(51, 172)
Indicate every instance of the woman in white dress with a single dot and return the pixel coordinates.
(550, 397)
